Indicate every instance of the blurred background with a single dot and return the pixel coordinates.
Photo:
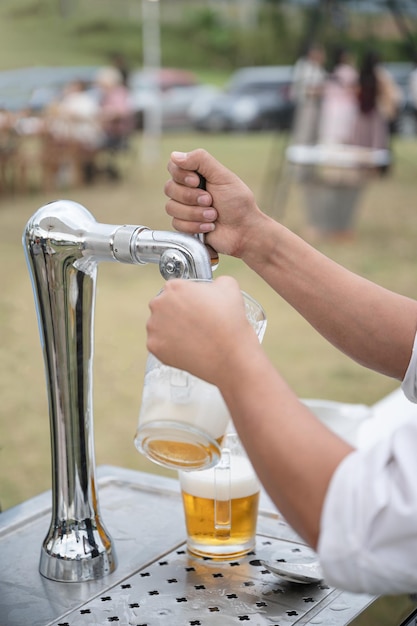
(182, 74)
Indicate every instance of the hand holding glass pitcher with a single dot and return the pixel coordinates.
(183, 419)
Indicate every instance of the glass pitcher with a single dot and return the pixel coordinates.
(183, 419)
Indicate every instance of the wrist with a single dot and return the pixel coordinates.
(240, 365)
(264, 247)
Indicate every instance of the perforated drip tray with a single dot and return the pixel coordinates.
(191, 591)
(156, 580)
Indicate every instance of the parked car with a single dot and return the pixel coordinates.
(165, 95)
(256, 98)
(36, 87)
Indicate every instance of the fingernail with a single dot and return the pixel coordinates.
(210, 214)
(179, 156)
(204, 200)
(207, 228)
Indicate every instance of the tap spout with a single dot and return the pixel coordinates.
(63, 245)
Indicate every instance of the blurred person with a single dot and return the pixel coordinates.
(307, 90)
(357, 508)
(116, 110)
(339, 102)
(118, 60)
(78, 110)
(74, 132)
(9, 149)
(115, 113)
(379, 99)
(27, 122)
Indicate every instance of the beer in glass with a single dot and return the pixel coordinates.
(221, 505)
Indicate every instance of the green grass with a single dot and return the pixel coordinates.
(32, 32)
(384, 250)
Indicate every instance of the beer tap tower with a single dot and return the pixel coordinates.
(63, 246)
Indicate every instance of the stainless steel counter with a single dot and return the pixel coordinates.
(156, 579)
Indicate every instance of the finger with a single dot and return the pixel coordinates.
(191, 213)
(191, 228)
(204, 163)
(199, 215)
(187, 195)
(182, 175)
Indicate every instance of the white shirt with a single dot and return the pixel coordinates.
(368, 535)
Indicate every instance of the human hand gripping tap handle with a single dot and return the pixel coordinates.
(214, 257)
(320, 491)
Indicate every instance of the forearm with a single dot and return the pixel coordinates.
(294, 454)
(372, 325)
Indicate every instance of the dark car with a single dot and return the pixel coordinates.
(256, 98)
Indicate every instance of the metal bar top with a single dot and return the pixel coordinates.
(155, 576)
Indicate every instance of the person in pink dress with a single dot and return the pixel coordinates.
(116, 111)
(339, 103)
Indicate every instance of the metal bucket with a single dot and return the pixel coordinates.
(332, 179)
(331, 208)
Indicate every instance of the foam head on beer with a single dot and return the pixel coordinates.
(243, 481)
(205, 493)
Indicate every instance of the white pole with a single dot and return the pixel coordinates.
(152, 115)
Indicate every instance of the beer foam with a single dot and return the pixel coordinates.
(195, 402)
(244, 481)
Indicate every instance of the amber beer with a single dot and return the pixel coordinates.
(221, 514)
(182, 420)
(181, 454)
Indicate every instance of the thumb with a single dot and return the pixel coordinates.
(204, 163)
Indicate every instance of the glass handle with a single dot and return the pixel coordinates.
(222, 496)
(180, 385)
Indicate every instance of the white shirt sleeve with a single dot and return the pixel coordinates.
(409, 384)
(368, 535)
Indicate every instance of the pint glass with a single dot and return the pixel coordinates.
(183, 419)
(221, 504)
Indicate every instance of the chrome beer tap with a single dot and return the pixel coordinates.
(63, 246)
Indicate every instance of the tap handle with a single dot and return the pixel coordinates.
(214, 257)
(203, 183)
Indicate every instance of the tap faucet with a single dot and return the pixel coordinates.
(63, 245)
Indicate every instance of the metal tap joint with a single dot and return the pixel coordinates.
(63, 245)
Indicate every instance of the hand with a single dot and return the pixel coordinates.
(200, 327)
(226, 212)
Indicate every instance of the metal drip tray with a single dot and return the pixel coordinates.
(193, 591)
(156, 578)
